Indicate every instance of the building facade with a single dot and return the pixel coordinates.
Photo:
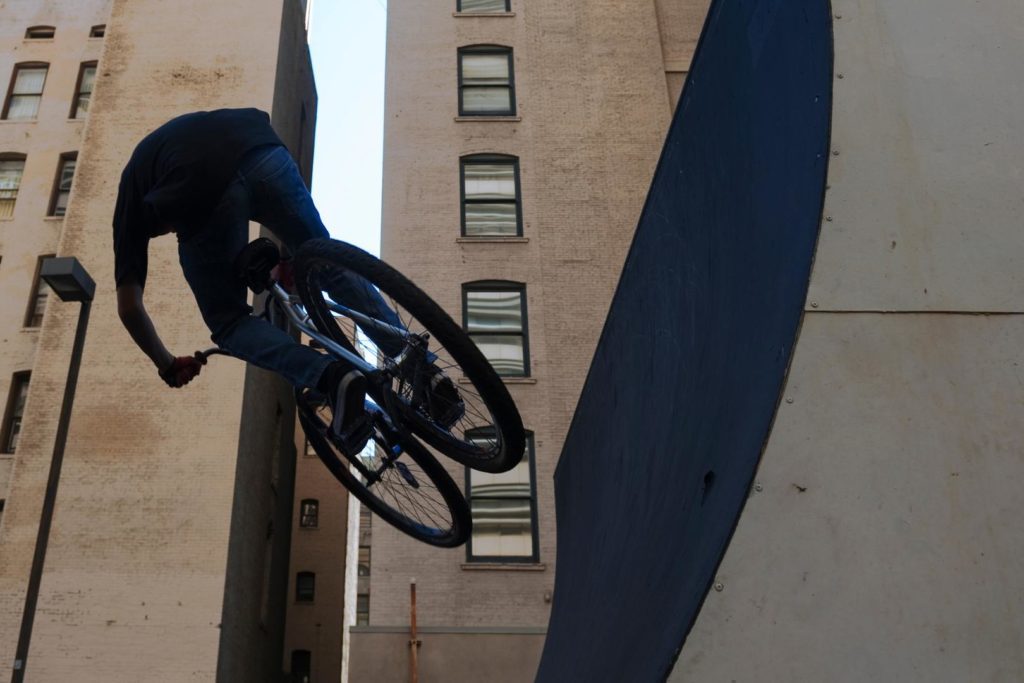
(168, 557)
(520, 140)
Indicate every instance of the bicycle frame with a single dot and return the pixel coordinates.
(291, 303)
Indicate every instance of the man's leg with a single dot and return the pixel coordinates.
(207, 259)
(281, 202)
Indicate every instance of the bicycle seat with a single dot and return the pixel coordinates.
(254, 263)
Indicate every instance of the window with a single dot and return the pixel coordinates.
(11, 168)
(302, 666)
(363, 609)
(98, 31)
(486, 86)
(83, 91)
(40, 293)
(490, 196)
(483, 6)
(504, 509)
(305, 586)
(25, 92)
(365, 528)
(40, 32)
(308, 513)
(15, 411)
(494, 316)
(364, 560)
(62, 184)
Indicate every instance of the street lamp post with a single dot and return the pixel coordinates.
(69, 281)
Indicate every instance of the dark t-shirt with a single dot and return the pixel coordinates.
(176, 176)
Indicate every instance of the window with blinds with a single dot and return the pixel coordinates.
(25, 92)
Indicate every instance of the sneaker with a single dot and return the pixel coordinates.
(350, 424)
(444, 403)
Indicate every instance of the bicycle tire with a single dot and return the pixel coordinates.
(505, 449)
(454, 535)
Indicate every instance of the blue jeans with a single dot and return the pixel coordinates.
(267, 188)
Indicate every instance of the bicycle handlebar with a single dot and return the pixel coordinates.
(201, 356)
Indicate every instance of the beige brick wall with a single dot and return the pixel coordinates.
(138, 556)
(30, 233)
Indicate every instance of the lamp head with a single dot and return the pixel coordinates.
(67, 278)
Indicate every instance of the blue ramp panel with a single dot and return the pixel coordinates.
(684, 384)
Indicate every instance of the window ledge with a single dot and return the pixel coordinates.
(22, 121)
(37, 40)
(7, 220)
(507, 380)
(508, 119)
(78, 120)
(504, 566)
(30, 330)
(483, 14)
(492, 239)
(53, 218)
(6, 456)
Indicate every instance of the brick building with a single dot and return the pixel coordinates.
(168, 558)
(520, 140)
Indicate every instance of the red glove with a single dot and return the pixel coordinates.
(181, 370)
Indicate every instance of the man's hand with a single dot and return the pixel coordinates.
(181, 370)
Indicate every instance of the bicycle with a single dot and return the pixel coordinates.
(396, 476)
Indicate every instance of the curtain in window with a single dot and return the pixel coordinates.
(485, 81)
(502, 509)
(494, 321)
(10, 180)
(27, 92)
(85, 91)
(67, 174)
(483, 182)
(482, 6)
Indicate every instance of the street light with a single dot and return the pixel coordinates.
(70, 282)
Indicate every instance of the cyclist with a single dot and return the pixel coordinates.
(204, 176)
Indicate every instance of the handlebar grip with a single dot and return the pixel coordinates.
(202, 356)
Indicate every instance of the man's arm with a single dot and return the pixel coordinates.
(139, 325)
(176, 372)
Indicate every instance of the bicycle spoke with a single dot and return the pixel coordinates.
(423, 506)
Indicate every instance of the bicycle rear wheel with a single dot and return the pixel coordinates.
(489, 434)
(412, 492)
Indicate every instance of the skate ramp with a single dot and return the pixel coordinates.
(685, 381)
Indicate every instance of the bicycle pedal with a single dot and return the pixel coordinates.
(353, 440)
(445, 405)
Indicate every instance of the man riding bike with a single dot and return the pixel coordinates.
(204, 176)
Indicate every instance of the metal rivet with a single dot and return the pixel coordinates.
(839, 75)
(835, 152)
(839, 16)
(828, 218)
(790, 399)
(758, 487)
(719, 586)
(814, 304)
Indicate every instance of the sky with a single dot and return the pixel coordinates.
(347, 44)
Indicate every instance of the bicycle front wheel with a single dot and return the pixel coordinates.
(394, 476)
(480, 427)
